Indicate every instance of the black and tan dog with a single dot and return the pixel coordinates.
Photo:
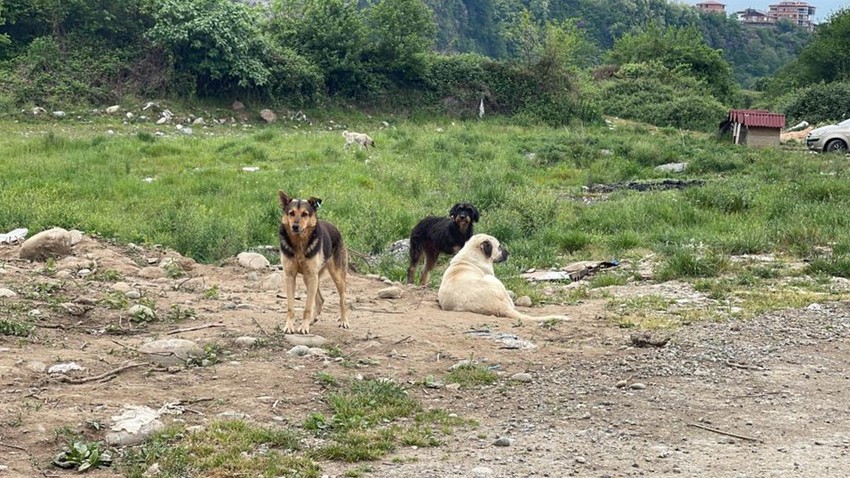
(310, 247)
(434, 235)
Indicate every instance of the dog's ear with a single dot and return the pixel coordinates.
(487, 248)
(284, 198)
(475, 214)
(315, 202)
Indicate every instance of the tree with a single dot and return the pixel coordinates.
(402, 31)
(827, 57)
(216, 41)
(677, 49)
(4, 38)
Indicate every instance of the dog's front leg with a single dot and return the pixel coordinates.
(311, 280)
(289, 284)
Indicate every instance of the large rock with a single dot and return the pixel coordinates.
(113, 109)
(167, 352)
(252, 260)
(268, 115)
(237, 106)
(308, 340)
(54, 242)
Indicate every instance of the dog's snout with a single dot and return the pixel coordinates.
(504, 254)
(296, 227)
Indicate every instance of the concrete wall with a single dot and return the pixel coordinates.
(767, 137)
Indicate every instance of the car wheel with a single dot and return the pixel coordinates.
(836, 145)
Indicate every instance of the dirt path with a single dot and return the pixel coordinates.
(595, 406)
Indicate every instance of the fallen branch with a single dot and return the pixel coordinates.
(378, 311)
(199, 327)
(260, 327)
(721, 432)
(402, 340)
(744, 366)
(110, 374)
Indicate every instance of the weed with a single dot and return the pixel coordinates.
(83, 456)
(213, 292)
(471, 375)
(605, 280)
(685, 263)
(115, 300)
(835, 266)
(106, 275)
(213, 354)
(326, 380)
(15, 328)
(177, 313)
(174, 271)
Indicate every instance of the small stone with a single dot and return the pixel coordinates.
(390, 293)
(37, 366)
(481, 472)
(502, 441)
(621, 384)
(299, 350)
(453, 386)
(113, 109)
(133, 294)
(307, 340)
(524, 301)
(581, 459)
(65, 368)
(522, 377)
(83, 272)
(151, 273)
(252, 260)
(245, 341)
(141, 312)
(637, 386)
(73, 309)
(7, 293)
(168, 352)
(121, 287)
(268, 115)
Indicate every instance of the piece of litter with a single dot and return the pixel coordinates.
(250, 169)
(148, 180)
(64, 368)
(14, 236)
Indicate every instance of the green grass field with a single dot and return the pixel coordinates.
(192, 194)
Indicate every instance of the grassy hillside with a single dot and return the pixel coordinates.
(191, 192)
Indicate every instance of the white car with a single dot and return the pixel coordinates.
(835, 137)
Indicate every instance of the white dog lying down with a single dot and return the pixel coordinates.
(362, 139)
(470, 285)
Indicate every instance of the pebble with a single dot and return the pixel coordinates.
(524, 301)
(522, 377)
(581, 459)
(299, 350)
(621, 384)
(502, 441)
(481, 472)
(245, 341)
(390, 293)
(637, 386)
(7, 293)
(306, 340)
(133, 294)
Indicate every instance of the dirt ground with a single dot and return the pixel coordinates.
(762, 397)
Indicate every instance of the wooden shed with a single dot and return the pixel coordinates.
(756, 127)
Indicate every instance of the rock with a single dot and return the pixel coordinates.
(38, 110)
(581, 459)
(76, 236)
(621, 384)
(151, 272)
(252, 260)
(37, 366)
(237, 106)
(5, 293)
(74, 309)
(502, 441)
(133, 294)
(65, 368)
(167, 352)
(83, 273)
(637, 386)
(299, 350)
(162, 120)
(195, 284)
(481, 472)
(268, 115)
(672, 167)
(54, 242)
(273, 281)
(400, 249)
(199, 122)
(512, 294)
(245, 341)
(318, 351)
(59, 114)
(64, 275)
(113, 109)
(522, 377)
(524, 301)
(134, 425)
(390, 293)
(121, 287)
(306, 340)
(129, 115)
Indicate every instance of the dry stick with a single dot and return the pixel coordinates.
(742, 437)
(402, 340)
(199, 327)
(260, 327)
(378, 311)
(16, 447)
(77, 381)
(744, 366)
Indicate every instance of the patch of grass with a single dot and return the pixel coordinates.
(370, 402)
(115, 300)
(607, 279)
(15, 328)
(685, 263)
(835, 266)
(106, 275)
(471, 375)
(213, 292)
(177, 313)
(224, 448)
(326, 380)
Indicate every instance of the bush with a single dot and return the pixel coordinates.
(819, 103)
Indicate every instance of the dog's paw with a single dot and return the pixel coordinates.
(343, 324)
(304, 330)
(289, 329)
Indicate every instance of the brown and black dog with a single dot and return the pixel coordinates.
(434, 235)
(310, 246)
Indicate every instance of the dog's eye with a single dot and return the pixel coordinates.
(304, 214)
(292, 213)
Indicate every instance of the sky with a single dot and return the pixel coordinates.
(823, 8)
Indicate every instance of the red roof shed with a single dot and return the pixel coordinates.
(756, 127)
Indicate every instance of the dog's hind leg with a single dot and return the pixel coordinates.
(338, 273)
(320, 303)
(415, 256)
(430, 262)
(289, 285)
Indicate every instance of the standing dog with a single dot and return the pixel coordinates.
(434, 235)
(470, 284)
(310, 247)
(362, 139)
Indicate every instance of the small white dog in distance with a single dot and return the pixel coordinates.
(470, 284)
(362, 139)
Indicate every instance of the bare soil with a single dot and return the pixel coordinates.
(762, 397)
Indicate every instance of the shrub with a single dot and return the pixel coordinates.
(819, 103)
